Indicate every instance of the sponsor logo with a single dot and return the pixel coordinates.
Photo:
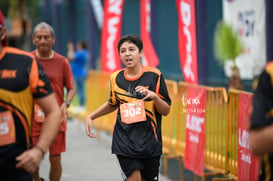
(8, 74)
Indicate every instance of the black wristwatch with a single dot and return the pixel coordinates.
(67, 103)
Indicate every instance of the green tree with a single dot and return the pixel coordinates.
(227, 47)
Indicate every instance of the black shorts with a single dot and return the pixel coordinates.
(149, 167)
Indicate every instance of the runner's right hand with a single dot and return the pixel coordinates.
(89, 127)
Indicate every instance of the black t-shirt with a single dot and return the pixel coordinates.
(22, 80)
(141, 139)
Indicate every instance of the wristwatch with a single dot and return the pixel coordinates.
(67, 103)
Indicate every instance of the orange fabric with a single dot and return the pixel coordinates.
(132, 112)
(39, 115)
(23, 120)
(58, 79)
(33, 80)
(7, 128)
(59, 73)
(57, 147)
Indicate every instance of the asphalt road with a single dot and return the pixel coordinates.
(87, 159)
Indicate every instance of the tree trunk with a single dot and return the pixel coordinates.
(235, 79)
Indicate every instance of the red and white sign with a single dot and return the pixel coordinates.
(187, 40)
(195, 129)
(248, 163)
(111, 33)
(150, 57)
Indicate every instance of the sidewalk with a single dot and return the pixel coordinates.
(86, 159)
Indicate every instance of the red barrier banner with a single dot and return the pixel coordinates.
(248, 163)
(111, 33)
(195, 129)
(150, 57)
(187, 40)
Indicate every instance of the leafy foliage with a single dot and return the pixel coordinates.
(227, 43)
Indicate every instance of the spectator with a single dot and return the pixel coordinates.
(79, 59)
(58, 70)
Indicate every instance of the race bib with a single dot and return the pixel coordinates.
(132, 112)
(39, 115)
(7, 128)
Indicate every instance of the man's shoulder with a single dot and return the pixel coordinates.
(269, 65)
(269, 69)
(60, 57)
(152, 69)
(13, 50)
(115, 73)
(33, 52)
